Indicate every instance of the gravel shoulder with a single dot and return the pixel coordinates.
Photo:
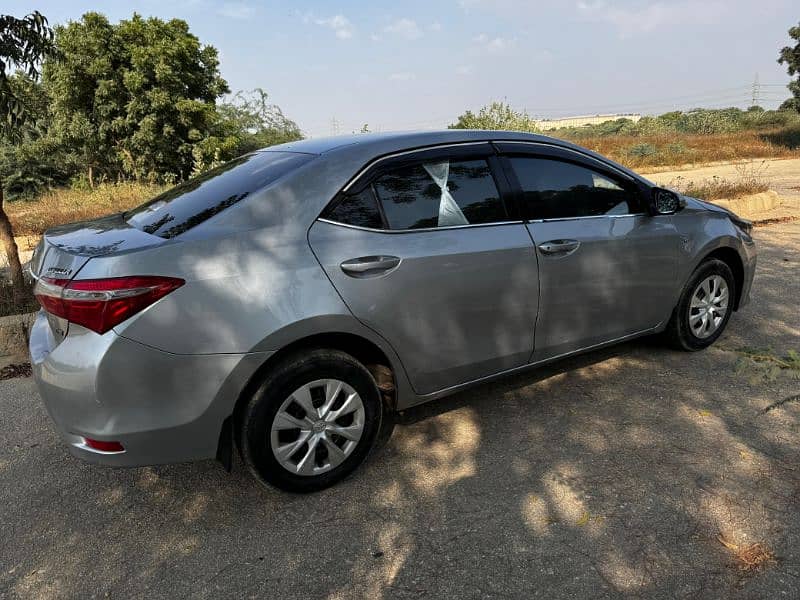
(611, 474)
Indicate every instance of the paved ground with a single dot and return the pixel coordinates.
(612, 474)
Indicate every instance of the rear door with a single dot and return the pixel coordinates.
(606, 267)
(426, 250)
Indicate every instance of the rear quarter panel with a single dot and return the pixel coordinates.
(239, 290)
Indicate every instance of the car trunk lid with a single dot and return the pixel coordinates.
(65, 249)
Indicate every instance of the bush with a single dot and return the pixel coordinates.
(788, 137)
(497, 115)
(641, 150)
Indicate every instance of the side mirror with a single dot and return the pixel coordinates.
(665, 202)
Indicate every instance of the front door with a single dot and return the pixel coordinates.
(606, 267)
(427, 253)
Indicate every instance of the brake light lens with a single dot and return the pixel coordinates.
(103, 446)
(100, 304)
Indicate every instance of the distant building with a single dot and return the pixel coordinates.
(580, 121)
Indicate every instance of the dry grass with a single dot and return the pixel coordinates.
(33, 217)
(750, 179)
(749, 559)
(676, 149)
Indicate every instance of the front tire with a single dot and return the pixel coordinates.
(311, 422)
(704, 308)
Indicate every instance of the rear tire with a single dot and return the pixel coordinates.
(704, 308)
(311, 422)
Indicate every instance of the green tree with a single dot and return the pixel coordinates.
(790, 56)
(496, 115)
(245, 122)
(23, 44)
(32, 161)
(135, 98)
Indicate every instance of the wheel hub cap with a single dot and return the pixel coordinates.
(317, 427)
(708, 306)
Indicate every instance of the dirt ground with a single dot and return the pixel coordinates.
(631, 472)
(782, 175)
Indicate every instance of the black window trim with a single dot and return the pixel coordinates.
(375, 168)
(563, 154)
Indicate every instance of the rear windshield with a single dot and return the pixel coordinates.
(186, 205)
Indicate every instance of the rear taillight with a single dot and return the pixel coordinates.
(100, 304)
(103, 446)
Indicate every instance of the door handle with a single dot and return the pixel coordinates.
(559, 246)
(369, 266)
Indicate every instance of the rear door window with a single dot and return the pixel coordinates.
(360, 210)
(440, 193)
(187, 205)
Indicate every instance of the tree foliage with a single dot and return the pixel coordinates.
(497, 115)
(132, 99)
(245, 122)
(32, 161)
(790, 56)
(23, 44)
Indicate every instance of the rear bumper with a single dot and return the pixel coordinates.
(161, 407)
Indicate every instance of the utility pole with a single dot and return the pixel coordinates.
(334, 126)
(756, 92)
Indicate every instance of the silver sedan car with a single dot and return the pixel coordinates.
(287, 301)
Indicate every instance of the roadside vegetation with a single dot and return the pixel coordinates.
(67, 205)
(675, 138)
(693, 137)
(750, 179)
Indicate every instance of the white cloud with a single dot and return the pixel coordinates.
(236, 10)
(464, 70)
(649, 17)
(435, 26)
(494, 45)
(404, 28)
(402, 76)
(339, 24)
(375, 37)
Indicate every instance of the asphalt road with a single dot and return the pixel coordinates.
(612, 474)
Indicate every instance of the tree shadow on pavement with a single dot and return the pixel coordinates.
(608, 474)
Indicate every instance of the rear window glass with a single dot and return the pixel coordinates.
(186, 205)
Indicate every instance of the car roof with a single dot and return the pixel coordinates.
(400, 140)
(363, 147)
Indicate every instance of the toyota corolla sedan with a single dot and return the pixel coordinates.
(287, 301)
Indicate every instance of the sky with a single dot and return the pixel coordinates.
(335, 66)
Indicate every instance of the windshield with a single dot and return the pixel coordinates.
(186, 205)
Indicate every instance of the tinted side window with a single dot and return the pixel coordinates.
(554, 189)
(357, 209)
(186, 205)
(440, 194)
